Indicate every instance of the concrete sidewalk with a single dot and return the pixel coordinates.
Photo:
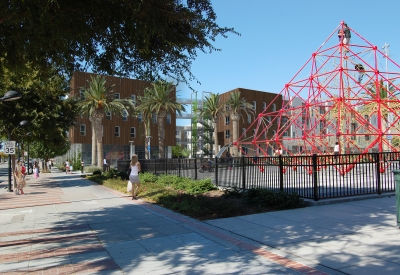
(68, 225)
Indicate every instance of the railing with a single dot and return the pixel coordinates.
(316, 177)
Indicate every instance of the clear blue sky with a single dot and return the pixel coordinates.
(278, 36)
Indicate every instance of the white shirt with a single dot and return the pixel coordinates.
(104, 161)
(134, 170)
(336, 148)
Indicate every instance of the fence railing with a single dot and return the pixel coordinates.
(316, 177)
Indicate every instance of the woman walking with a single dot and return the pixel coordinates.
(36, 170)
(134, 176)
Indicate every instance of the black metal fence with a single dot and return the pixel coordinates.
(316, 177)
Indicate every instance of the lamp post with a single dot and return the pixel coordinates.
(21, 124)
(148, 145)
(10, 96)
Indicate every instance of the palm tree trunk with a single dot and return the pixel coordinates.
(215, 136)
(160, 122)
(235, 118)
(99, 139)
(93, 146)
(146, 141)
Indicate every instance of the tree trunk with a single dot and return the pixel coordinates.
(235, 118)
(147, 139)
(160, 122)
(215, 136)
(99, 138)
(93, 144)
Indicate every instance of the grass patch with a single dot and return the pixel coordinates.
(200, 199)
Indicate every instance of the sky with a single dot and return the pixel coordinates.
(277, 37)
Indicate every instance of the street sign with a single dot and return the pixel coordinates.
(9, 147)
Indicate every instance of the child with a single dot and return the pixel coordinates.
(36, 170)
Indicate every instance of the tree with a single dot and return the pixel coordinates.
(42, 104)
(141, 39)
(383, 101)
(237, 106)
(160, 100)
(97, 101)
(213, 108)
(143, 110)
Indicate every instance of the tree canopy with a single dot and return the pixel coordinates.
(132, 38)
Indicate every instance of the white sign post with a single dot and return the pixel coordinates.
(9, 147)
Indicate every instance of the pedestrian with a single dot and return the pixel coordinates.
(23, 171)
(105, 165)
(18, 185)
(36, 170)
(336, 150)
(82, 165)
(134, 175)
(66, 167)
(71, 167)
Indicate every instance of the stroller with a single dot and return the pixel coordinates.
(207, 167)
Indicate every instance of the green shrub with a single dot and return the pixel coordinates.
(111, 173)
(147, 177)
(267, 198)
(97, 172)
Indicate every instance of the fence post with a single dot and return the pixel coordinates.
(179, 166)
(195, 167)
(216, 171)
(378, 173)
(243, 174)
(315, 177)
(280, 173)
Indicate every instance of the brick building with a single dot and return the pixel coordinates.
(121, 134)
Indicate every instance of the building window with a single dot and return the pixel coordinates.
(154, 118)
(133, 132)
(248, 118)
(254, 105)
(124, 115)
(264, 106)
(244, 132)
(227, 120)
(177, 139)
(108, 115)
(273, 107)
(269, 120)
(254, 132)
(116, 95)
(227, 107)
(177, 133)
(140, 117)
(116, 131)
(168, 118)
(227, 134)
(83, 129)
(133, 98)
(82, 93)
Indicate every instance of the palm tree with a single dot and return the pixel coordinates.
(237, 105)
(161, 99)
(213, 108)
(143, 109)
(97, 101)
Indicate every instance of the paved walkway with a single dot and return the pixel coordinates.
(68, 225)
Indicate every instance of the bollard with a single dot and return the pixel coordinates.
(397, 180)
